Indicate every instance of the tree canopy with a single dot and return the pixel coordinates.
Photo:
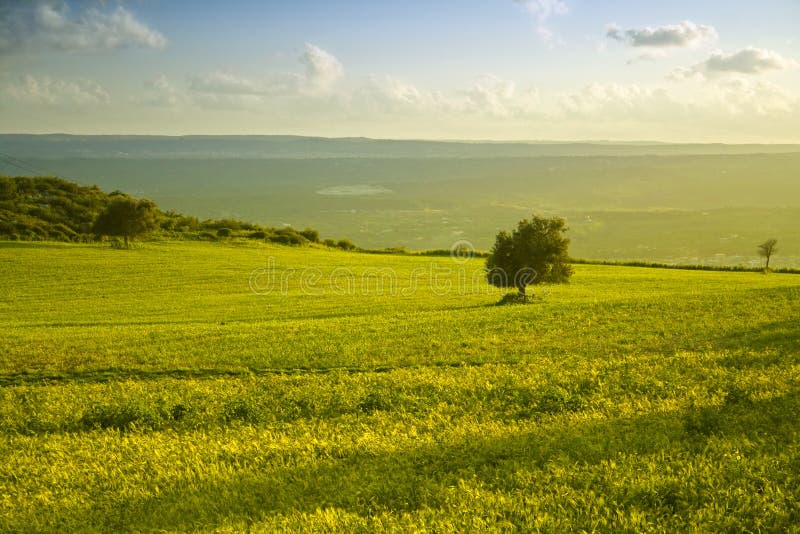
(535, 252)
(127, 217)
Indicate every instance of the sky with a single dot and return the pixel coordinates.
(630, 70)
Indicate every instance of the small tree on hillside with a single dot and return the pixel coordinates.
(127, 217)
(534, 253)
(767, 249)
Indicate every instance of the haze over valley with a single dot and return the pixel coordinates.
(647, 201)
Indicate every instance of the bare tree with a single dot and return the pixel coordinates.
(767, 249)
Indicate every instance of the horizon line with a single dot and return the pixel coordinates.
(645, 142)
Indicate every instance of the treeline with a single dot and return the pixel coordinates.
(685, 267)
(53, 209)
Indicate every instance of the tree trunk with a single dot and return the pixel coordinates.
(522, 291)
(767, 267)
(126, 241)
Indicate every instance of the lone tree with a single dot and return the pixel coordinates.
(767, 249)
(127, 217)
(534, 253)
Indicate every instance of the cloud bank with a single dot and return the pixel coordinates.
(47, 91)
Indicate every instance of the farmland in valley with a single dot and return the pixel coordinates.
(708, 204)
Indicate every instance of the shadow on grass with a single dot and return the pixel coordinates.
(367, 483)
(116, 374)
(104, 375)
(775, 340)
(42, 244)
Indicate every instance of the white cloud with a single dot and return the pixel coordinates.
(598, 110)
(497, 97)
(619, 102)
(223, 90)
(228, 101)
(385, 94)
(683, 35)
(747, 61)
(543, 11)
(53, 26)
(488, 96)
(322, 67)
(225, 83)
(492, 95)
(160, 92)
(47, 91)
(745, 97)
(682, 74)
(220, 88)
(647, 56)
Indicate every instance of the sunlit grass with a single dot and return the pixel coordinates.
(152, 389)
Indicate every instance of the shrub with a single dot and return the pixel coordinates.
(217, 224)
(287, 236)
(241, 410)
(259, 234)
(310, 234)
(346, 244)
(125, 417)
(224, 232)
(8, 188)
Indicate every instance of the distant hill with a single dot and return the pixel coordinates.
(277, 146)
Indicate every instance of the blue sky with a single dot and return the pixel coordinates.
(468, 69)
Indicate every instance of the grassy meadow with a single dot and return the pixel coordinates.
(154, 390)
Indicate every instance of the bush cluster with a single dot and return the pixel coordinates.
(52, 209)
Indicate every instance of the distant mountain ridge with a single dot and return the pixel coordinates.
(54, 146)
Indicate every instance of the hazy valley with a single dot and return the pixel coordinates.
(657, 202)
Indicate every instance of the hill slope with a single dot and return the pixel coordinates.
(154, 389)
(47, 208)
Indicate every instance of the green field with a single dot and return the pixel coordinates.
(153, 389)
